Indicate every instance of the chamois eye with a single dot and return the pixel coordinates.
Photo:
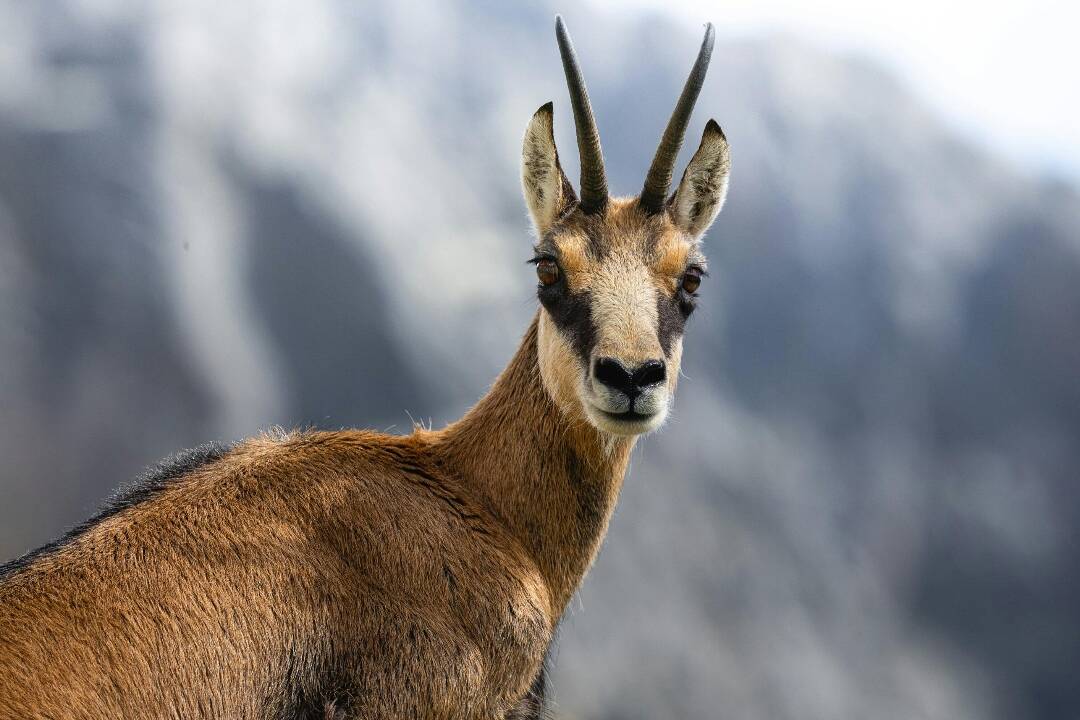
(691, 280)
(547, 271)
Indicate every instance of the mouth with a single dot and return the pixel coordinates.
(627, 423)
(618, 414)
(630, 416)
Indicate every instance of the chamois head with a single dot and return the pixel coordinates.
(618, 276)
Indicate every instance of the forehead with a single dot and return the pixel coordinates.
(621, 239)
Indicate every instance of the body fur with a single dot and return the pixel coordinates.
(251, 557)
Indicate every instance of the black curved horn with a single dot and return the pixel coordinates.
(658, 181)
(594, 190)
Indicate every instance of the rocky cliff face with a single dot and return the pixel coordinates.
(214, 218)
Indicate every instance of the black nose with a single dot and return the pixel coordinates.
(617, 376)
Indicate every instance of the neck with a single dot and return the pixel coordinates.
(551, 479)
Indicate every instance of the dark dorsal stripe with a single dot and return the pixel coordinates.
(145, 488)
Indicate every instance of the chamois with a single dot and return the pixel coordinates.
(356, 574)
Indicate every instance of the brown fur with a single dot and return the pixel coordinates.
(359, 575)
(264, 580)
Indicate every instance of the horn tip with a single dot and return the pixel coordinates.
(562, 35)
(710, 35)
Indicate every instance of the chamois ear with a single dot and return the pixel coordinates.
(704, 185)
(547, 191)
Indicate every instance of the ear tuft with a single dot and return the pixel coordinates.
(547, 191)
(704, 185)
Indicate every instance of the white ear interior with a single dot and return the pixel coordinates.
(542, 179)
(704, 185)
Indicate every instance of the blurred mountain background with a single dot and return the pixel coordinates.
(216, 217)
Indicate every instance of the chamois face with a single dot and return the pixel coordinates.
(617, 284)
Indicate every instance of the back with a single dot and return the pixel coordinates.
(260, 580)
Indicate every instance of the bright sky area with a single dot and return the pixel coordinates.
(1005, 73)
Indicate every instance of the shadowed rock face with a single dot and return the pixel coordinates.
(865, 502)
(343, 364)
(94, 381)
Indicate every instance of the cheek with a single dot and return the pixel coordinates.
(674, 362)
(561, 369)
(570, 313)
(671, 322)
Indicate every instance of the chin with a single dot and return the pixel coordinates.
(626, 424)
